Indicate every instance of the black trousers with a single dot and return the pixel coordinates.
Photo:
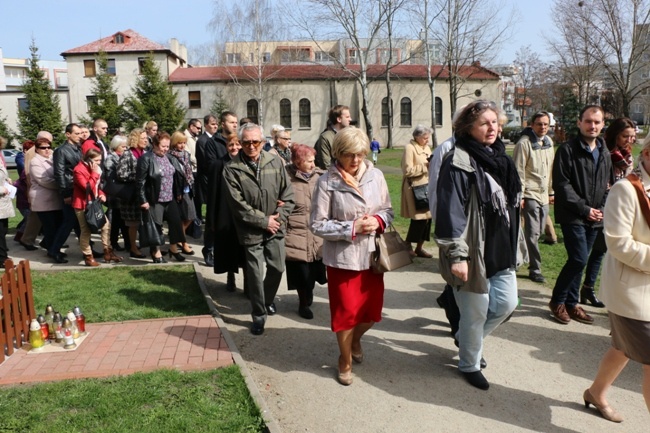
(169, 212)
(419, 231)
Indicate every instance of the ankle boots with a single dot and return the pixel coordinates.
(109, 256)
(89, 260)
(587, 295)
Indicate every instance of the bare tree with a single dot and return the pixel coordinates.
(616, 32)
(469, 31)
(250, 24)
(359, 21)
(530, 69)
(572, 49)
(205, 54)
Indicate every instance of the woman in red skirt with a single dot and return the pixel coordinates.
(350, 205)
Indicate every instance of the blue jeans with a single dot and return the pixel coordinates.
(481, 313)
(578, 241)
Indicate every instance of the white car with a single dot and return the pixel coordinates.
(10, 157)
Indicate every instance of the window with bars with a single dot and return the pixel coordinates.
(285, 113)
(385, 119)
(253, 110)
(405, 112)
(304, 108)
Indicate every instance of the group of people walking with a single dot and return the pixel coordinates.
(316, 212)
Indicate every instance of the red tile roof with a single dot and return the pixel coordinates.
(318, 72)
(133, 42)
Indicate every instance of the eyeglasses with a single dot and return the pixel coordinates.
(44, 148)
(353, 155)
(249, 143)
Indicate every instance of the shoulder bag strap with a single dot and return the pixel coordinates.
(643, 197)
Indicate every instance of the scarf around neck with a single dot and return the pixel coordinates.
(497, 163)
(352, 180)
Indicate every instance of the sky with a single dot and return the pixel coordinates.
(59, 25)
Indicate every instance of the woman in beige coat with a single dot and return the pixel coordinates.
(304, 249)
(415, 164)
(625, 286)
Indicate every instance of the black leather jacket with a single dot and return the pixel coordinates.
(66, 157)
(149, 175)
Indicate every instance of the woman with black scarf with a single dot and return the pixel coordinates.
(477, 223)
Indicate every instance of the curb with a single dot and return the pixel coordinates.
(272, 426)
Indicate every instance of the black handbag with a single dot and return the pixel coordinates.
(115, 188)
(148, 231)
(421, 196)
(95, 217)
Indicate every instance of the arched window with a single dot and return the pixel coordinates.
(253, 110)
(438, 111)
(285, 113)
(405, 112)
(384, 112)
(304, 107)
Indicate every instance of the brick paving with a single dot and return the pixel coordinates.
(122, 348)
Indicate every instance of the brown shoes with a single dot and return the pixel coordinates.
(559, 313)
(422, 253)
(89, 260)
(579, 315)
(564, 315)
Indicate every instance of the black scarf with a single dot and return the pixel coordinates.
(495, 162)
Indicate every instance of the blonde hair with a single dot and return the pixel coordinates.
(134, 137)
(350, 140)
(177, 137)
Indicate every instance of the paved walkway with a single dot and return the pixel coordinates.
(121, 348)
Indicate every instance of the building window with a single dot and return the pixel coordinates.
(353, 57)
(89, 68)
(194, 97)
(383, 54)
(438, 111)
(91, 100)
(141, 61)
(61, 78)
(384, 112)
(253, 110)
(285, 113)
(233, 58)
(266, 57)
(323, 56)
(405, 112)
(23, 104)
(110, 67)
(304, 107)
(119, 38)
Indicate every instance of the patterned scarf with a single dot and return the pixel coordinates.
(284, 154)
(184, 157)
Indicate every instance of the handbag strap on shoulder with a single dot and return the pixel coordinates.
(89, 192)
(641, 194)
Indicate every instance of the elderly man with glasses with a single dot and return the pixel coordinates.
(260, 197)
(533, 158)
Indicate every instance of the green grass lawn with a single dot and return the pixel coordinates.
(160, 401)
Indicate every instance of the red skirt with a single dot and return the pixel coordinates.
(355, 297)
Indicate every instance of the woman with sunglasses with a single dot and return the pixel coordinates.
(44, 196)
(478, 188)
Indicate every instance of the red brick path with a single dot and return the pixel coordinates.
(121, 348)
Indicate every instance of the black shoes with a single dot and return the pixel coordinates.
(177, 256)
(27, 246)
(537, 277)
(483, 363)
(257, 329)
(59, 257)
(305, 312)
(230, 283)
(476, 379)
(208, 257)
(271, 310)
(137, 256)
(160, 259)
(587, 295)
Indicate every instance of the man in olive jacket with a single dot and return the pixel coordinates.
(261, 199)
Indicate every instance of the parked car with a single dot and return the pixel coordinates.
(10, 157)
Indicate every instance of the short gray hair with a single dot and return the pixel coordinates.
(118, 141)
(421, 130)
(248, 127)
